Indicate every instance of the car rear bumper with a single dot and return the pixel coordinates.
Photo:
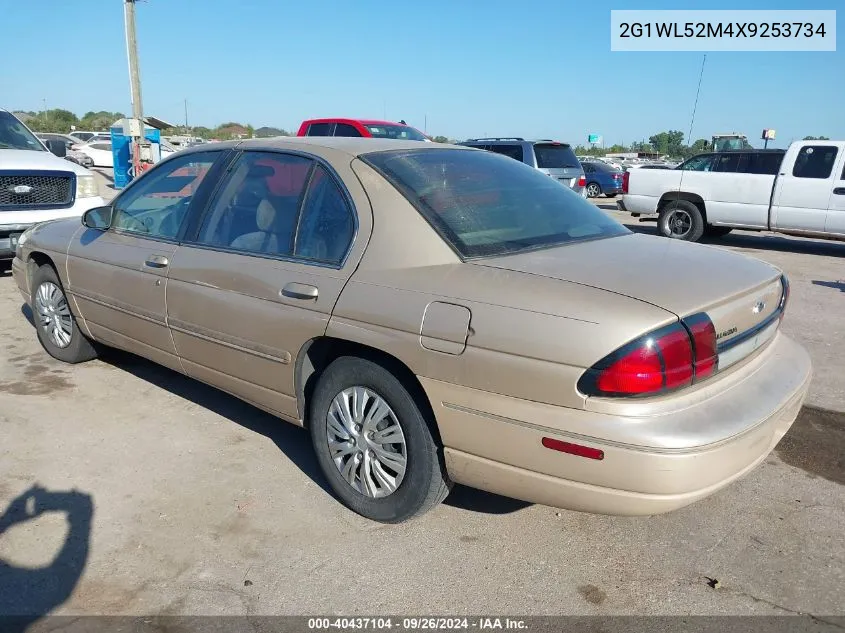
(494, 443)
(639, 204)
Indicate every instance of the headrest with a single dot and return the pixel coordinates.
(265, 216)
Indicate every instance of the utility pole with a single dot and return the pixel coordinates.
(186, 116)
(141, 150)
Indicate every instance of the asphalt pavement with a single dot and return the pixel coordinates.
(164, 496)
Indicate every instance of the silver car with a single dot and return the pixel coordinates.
(553, 158)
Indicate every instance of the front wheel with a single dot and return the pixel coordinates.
(373, 443)
(55, 325)
(593, 190)
(681, 220)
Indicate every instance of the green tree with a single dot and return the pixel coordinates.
(99, 121)
(671, 142)
(441, 139)
(816, 138)
(202, 132)
(56, 120)
(267, 132)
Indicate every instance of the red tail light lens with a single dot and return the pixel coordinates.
(625, 176)
(582, 181)
(703, 335)
(670, 358)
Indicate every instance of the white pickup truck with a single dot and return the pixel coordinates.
(37, 185)
(800, 191)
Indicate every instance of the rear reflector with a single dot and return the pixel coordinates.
(703, 335)
(573, 449)
(625, 176)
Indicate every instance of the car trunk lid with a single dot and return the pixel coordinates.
(742, 296)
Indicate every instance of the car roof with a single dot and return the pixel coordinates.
(514, 139)
(352, 145)
(361, 121)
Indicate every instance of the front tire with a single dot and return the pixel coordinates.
(373, 443)
(593, 190)
(55, 325)
(681, 220)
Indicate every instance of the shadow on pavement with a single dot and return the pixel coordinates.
(28, 594)
(836, 285)
(291, 440)
(482, 502)
(26, 311)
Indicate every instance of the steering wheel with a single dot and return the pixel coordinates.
(170, 225)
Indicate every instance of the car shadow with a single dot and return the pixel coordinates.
(27, 594)
(293, 441)
(759, 241)
(836, 285)
(482, 502)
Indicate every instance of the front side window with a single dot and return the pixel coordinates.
(727, 163)
(256, 210)
(158, 203)
(327, 226)
(815, 161)
(484, 205)
(704, 162)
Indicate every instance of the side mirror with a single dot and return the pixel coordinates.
(99, 218)
(57, 147)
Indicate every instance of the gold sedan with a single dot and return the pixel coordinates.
(432, 314)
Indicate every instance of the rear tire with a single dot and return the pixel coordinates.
(593, 190)
(55, 324)
(681, 220)
(357, 405)
(717, 231)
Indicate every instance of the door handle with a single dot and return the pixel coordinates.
(299, 291)
(157, 261)
(839, 191)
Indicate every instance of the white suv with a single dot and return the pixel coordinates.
(37, 185)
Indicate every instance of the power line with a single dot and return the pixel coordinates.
(695, 106)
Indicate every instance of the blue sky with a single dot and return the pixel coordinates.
(533, 68)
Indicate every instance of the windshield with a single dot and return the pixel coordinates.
(485, 204)
(14, 135)
(555, 156)
(403, 132)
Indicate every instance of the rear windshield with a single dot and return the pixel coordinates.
(551, 156)
(485, 204)
(404, 132)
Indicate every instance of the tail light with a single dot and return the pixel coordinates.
(784, 281)
(625, 176)
(582, 181)
(667, 359)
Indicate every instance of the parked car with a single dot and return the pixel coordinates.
(368, 128)
(602, 179)
(552, 158)
(432, 314)
(82, 135)
(36, 184)
(69, 142)
(99, 151)
(798, 191)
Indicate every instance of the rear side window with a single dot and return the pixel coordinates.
(766, 163)
(344, 129)
(319, 129)
(514, 151)
(327, 226)
(814, 161)
(588, 169)
(484, 205)
(555, 156)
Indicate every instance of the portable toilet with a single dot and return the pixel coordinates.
(121, 147)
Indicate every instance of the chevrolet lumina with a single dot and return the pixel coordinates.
(432, 314)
